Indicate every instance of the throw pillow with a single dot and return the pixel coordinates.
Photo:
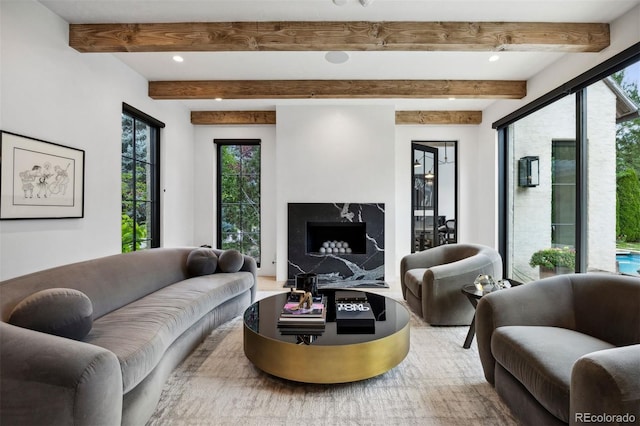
(202, 261)
(231, 261)
(64, 312)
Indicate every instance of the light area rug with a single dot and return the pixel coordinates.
(438, 383)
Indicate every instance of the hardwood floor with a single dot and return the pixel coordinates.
(270, 284)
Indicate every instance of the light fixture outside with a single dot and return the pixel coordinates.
(178, 58)
(336, 57)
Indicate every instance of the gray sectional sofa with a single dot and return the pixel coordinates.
(92, 343)
(565, 349)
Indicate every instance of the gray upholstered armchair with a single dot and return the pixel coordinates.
(564, 349)
(432, 280)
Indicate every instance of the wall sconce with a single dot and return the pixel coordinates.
(529, 171)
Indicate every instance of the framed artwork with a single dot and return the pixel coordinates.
(39, 179)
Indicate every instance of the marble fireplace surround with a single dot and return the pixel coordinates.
(360, 225)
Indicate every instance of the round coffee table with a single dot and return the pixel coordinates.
(326, 356)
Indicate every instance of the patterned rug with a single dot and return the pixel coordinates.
(438, 383)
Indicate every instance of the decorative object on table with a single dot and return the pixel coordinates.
(304, 314)
(40, 180)
(307, 282)
(554, 261)
(354, 317)
(484, 282)
(300, 300)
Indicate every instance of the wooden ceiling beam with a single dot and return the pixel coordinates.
(233, 117)
(438, 117)
(348, 36)
(338, 89)
(269, 117)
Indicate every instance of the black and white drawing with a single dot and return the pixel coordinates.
(40, 179)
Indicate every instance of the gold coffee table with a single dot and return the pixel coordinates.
(328, 357)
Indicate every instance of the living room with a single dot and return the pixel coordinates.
(318, 150)
(43, 77)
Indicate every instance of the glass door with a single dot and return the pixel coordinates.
(424, 197)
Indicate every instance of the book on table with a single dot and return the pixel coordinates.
(355, 317)
(294, 316)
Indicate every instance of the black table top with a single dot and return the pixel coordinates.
(262, 317)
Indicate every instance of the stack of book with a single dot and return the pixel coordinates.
(295, 318)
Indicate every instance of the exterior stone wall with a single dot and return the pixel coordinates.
(531, 206)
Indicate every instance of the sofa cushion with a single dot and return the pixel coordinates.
(413, 281)
(140, 333)
(230, 261)
(63, 312)
(541, 358)
(202, 261)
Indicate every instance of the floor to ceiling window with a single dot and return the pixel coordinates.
(542, 208)
(140, 175)
(238, 187)
(570, 168)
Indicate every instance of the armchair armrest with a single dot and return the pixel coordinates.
(250, 265)
(606, 382)
(46, 379)
(544, 303)
(422, 259)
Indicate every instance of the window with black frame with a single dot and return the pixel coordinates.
(238, 194)
(140, 175)
(582, 214)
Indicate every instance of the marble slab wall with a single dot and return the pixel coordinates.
(363, 257)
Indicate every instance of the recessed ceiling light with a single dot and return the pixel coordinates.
(218, 99)
(493, 58)
(178, 58)
(452, 99)
(337, 57)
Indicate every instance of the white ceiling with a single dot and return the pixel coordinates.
(361, 65)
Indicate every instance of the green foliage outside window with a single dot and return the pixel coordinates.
(628, 206)
(240, 198)
(136, 184)
(628, 168)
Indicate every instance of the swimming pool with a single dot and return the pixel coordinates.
(629, 263)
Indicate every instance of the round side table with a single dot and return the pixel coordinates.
(474, 295)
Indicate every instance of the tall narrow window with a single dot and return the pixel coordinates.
(140, 180)
(239, 196)
(563, 193)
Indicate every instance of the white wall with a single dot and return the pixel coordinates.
(204, 211)
(52, 92)
(336, 154)
(472, 209)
